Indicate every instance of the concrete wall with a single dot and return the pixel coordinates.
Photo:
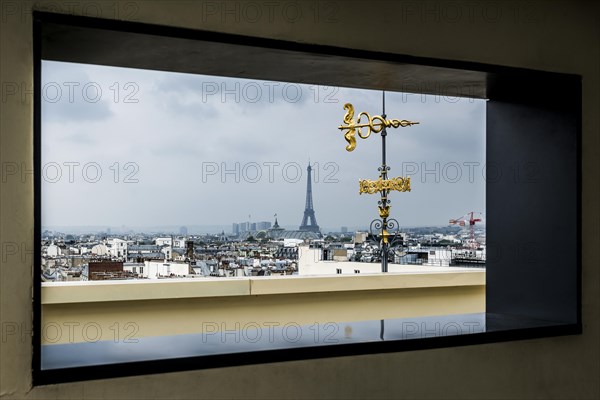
(553, 36)
(181, 306)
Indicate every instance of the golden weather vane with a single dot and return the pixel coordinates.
(375, 125)
(383, 185)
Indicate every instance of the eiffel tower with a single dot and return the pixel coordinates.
(309, 212)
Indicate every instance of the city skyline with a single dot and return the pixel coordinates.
(197, 150)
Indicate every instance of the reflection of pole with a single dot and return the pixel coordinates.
(382, 330)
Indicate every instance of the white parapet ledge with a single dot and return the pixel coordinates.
(379, 281)
(142, 289)
(162, 289)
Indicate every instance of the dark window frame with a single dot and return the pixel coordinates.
(511, 92)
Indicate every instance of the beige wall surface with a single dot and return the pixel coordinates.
(544, 35)
(184, 316)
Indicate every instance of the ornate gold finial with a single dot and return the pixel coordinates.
(375, 124)
(384, 211)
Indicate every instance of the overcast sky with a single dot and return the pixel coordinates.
(148, 148)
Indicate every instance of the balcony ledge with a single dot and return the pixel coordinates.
(132, 290)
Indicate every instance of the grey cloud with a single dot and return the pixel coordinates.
(69, 94)
(63, 111)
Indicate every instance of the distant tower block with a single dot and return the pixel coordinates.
(309, 221)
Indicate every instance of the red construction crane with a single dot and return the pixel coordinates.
(462, 221)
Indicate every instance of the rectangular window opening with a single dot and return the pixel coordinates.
(195, 192)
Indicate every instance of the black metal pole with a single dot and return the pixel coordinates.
(384, 245)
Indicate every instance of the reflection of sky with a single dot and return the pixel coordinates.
(173, 125)
(255, 337)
